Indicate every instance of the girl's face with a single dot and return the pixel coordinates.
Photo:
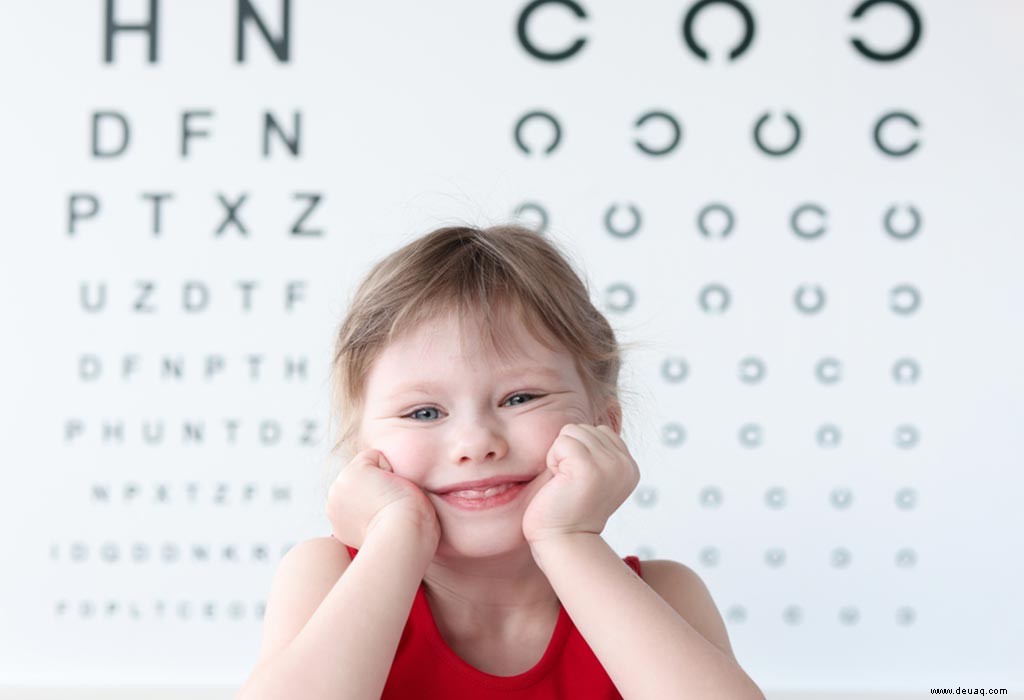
(442, 417)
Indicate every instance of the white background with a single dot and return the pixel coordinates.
(407, 117)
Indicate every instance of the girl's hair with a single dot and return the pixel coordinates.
(472, 274)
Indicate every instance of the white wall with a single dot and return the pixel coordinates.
(407, 113)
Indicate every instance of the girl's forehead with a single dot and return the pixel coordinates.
(508, 337)
(448, 346)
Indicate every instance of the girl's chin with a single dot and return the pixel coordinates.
(480, 545)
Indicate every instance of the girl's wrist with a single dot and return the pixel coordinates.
(411, 530)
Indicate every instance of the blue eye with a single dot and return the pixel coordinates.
(431, 408)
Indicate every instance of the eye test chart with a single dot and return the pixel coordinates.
(806, 214)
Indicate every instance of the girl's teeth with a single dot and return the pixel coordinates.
(494, 490)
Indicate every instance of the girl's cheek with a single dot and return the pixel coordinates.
(413, 459)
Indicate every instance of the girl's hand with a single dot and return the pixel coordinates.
(593, 473)
(367, 492)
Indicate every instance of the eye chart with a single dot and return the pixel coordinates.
(807, 213)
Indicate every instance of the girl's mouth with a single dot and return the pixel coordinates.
(485, 499)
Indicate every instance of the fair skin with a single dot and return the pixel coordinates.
(484, 585)
(499, 577)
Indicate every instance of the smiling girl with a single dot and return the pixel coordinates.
(480, 435)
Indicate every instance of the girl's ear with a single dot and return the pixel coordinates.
(612, 417)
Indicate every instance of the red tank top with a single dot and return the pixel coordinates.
(425, 667)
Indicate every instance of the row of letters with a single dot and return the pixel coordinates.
(280, 43)
(92, 368)
(229, 431)
(220, 493)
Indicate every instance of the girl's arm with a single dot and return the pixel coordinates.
(344, 650)
(648, 650)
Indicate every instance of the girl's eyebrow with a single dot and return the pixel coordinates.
(540, 371)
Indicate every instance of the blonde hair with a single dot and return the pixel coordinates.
(472, 274)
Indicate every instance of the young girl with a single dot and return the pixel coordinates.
(477, 386)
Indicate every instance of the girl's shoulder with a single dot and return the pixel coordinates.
(304, 577)
(685, 591)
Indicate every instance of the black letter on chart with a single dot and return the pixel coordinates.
(125, 134)
(527, 43)
(109, 27)
(187, 133)
(292, 143)
(231, 216)
(280, 47)
(314, 200)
